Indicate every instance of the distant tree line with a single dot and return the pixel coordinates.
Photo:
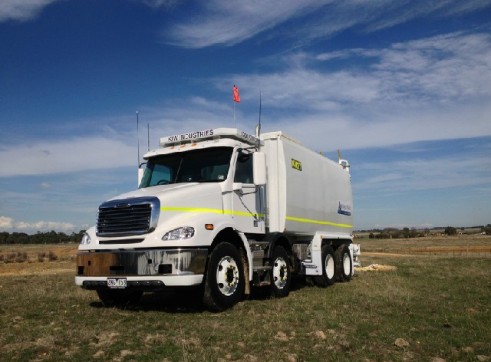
(51, 237)
(487, 229)
(392, 233)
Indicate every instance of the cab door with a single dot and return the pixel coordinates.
(247, 199)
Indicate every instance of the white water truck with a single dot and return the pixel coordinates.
(223, 211)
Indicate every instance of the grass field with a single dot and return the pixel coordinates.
(431, 306)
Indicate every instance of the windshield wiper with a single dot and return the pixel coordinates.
(178, 170)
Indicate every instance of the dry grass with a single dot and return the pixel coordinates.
(443, 244)
(426, 308)
(37, 259)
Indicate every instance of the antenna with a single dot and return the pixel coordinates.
(260, 109)
(148, 136)
(138, 138)
(258, 127)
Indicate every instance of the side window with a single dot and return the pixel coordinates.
(243, 171)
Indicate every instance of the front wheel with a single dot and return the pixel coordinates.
(224, 283)
(344, 264)
(281, 275)
(328, 276)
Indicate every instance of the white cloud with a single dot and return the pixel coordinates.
(397, 12)
(22, 10)
(118, 146)
(230, 22)
(310, 89)
(439, 69)
(446, 67)
(396, 126)
(62, 156)
(443, 183)
(44, 226)
(9, 224)
(429, 89)
(196, 113)
(6, 223)
(157, 4)
(426, 173)
(435, 88)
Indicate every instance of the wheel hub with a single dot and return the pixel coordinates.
(330, 268)
(227, 276)
(280, 273)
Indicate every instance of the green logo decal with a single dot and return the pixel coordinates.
(297, 165)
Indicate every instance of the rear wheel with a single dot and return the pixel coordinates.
(281, 275)
(224, 283)
(344, 267)
(328, 276)
(118, 298)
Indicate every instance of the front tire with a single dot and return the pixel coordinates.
(328, 276)
(281, 275)
(344, 263)
(224, 283)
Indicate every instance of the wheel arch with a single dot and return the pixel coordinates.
(279, 240)
(336, 243)
(229, 235)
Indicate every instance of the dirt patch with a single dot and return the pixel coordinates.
(376, 267)
(456, 251)
(384, 254)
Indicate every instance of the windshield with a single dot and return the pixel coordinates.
(205, 165)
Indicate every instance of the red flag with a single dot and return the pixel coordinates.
(236, 94)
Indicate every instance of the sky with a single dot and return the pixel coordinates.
(402, 88)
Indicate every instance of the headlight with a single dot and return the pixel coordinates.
(85, 239)
(182, 233)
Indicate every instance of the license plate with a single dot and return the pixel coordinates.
(117, 283)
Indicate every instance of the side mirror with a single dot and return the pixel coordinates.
(141, 171)
(259, 168)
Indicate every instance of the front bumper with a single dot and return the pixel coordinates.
(143, 269)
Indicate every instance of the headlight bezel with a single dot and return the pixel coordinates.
(180, 233)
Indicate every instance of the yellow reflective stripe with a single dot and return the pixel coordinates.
(319, 222)
(207, 210)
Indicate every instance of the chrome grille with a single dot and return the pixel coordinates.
(128, 217)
